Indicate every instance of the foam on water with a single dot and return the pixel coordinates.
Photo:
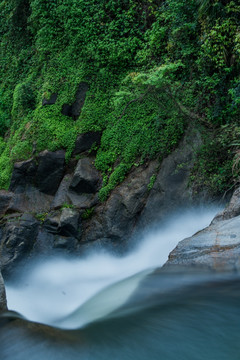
(70, 293)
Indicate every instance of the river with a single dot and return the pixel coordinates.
(103, 306)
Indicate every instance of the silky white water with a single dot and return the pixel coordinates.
(70, 293)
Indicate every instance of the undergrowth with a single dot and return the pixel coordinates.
(152, 67)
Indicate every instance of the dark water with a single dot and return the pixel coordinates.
(176, 316)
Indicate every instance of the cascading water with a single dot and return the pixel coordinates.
(54, 289)
(121, 309)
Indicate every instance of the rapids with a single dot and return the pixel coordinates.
(104, 306)
(53, 291)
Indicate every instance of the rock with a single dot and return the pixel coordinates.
(48, 243)
(115, 220)
(5, 199)
(51, 101)
(217, 247)
(44, 173)
(65, 196)
(61, 196)
(86, 178)
(44, 243)
(171, 188)
(18, 237)
(232, 210)
(32, 200)
(3, 300)
(50, 171)
(74, 110)
(24, 174)
(85, 141)
(51, 224)
(69, 244)
(132, 207)
(64, 223)
(69, 222)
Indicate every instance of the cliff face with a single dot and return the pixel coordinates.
(54, 206)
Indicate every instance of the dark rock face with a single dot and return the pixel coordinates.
(51, 101)
(116, 219)
(5, 199)
(45, 173)
(17, 240)
(23, 175)
(65, 223)
(65, 196)
(32, 200)
(85, 141)
(217, 247)
(3, 300)
(65, 201)
(171, 189)
(86, 178)
(74, 110)
(50, 171)
(33, 183)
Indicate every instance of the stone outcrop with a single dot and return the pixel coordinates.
(115, 220)
(34, 183)
(217, 247)
(5, 199)
(86, 179)
(171, 188)
(52, 205)
(44, 173)
(17, 239)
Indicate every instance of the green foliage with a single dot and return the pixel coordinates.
(41, 216)
(152, 67)
(67, 206)
(151, 182)
(88, 213)
(214, 166)
(23, 100)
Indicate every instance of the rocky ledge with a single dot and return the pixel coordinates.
(217, 247)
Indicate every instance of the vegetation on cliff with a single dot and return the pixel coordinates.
(152, 67)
